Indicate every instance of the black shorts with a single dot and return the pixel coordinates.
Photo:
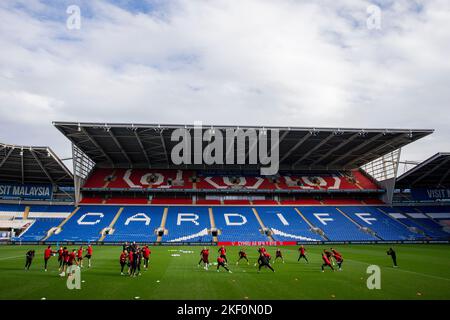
(221, 264)
(69, 263)
(205, 260)
(88, 256)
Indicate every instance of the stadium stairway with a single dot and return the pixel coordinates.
(365, 229)
(414, 227)
(26, 212)
(313, 227)
(111, 225)
(213, 223)
(62, 223)
(163, 223)
(261, 223)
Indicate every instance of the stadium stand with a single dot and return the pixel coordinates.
(185, 224)
(382, 224)
(238, 224)
(136, 223)
(181, 179)
(335, 225)
(319, 194)
(38, 229)
(86, 224)
(286, 224)
(235, 223)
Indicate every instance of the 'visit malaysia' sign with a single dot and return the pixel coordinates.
(26, 191)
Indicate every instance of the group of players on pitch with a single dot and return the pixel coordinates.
(132, 256)
(66, 258)
(330, 258)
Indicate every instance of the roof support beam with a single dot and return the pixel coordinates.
(401, 137)
(333, 150)
(122, 150)
(92, 140)
(42, 166)
(141, 145)
(163, 142)
(6, 157)
(358, 147)
(295, 147)
(271, 147)
(426, 174)
(321, 143)
(444, 177)
(22, 167)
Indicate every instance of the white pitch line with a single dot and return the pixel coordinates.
(7, 258)
(403, 270)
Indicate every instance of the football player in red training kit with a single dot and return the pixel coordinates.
(242, 255)
(338, 257)
(80, 256)
(47, 255)
(329, 256)
(65, 259)
(263, 261)
(302, 251)
(204, 257)
(278, 255)
(89, 255)
(123, 261)
(261, 250)
(222, 263)
(326, 261)
(146, 255)
(223, 253)
(69, 260)
(60, 257)
(130, 261)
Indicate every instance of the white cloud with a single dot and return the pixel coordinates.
(260, 62)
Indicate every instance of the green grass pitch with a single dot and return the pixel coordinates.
(424, 273)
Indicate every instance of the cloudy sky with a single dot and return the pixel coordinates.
(255, 62)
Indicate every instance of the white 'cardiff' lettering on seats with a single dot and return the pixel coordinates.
(139, 217)
(319, 216)
(363, 216)
(282, 219)
(191, 217)
(81, 221)
(229, 223)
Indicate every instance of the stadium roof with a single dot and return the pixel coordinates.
(433, 172)
(300, 148)
(25, 164)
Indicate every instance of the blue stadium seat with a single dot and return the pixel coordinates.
(431, 227)
(86, 224)
(289, 222)
(187, 223)
(137, 223)
(335, 225)
(237, 224)
(39, 228)
(386, 227)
